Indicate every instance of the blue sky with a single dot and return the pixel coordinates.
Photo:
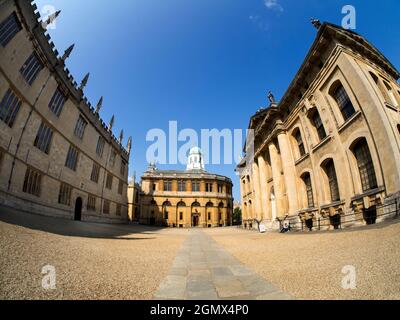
(204, 63)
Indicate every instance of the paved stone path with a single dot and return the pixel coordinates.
(204, 270)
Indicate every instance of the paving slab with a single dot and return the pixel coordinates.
(204, 270)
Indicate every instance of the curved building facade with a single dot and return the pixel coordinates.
(57, 157)
(186, 199)
(328, 154)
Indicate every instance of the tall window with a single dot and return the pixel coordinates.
(72, 158)
(120, 186)
(100, 147)
(220, 188)
(392, 97)
(195, 186)
(1, 157)
(342, 99)
(32, 182)
(310, 197)
(167, 185)
(9, 28)
(300, 143)
(43, 138)
(319, 126)
(123, 167)
(209, 187)
(113, 156)
(365, 165)
(64, 197)
(80, 127)
(109, 181)
(106, 207)
(31, 68)
(181, 186)
(95, 173)
(332, 180)
(118, 209)
(9, 107)
(91, 203)
(57, 102)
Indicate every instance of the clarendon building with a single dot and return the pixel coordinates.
(328, 154)
(185, 199)
(57, 157)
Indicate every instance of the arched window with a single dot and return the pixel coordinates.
(181, 204)
(330, 171)
(365, 165)
(209, 204)
(343, 101)
(165, 205)
(300, 143)
(309, 190)
(391, 94)
(317, 123)
(196, 204)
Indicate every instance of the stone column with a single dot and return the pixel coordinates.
(257, 193)
(263, 185)
(289, 172)
(277, 176)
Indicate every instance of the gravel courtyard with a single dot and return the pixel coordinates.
(309, 266)
(92, 261)
(95, 261)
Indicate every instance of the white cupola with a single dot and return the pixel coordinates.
(195, 160)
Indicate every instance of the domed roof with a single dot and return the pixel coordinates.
(195, 150)
(195, 160)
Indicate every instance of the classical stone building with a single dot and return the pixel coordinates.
(330, 149)
(134, 193)
(57, 157)
(191, 198)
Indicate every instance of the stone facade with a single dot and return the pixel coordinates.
(330, 149)
(191, 198)
(134, 194)
(56, 154)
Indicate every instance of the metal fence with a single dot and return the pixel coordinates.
(385, 212)
(368, 216)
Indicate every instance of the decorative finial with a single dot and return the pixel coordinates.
(50, 19)
(67, 53)
(99, 106)
(111, 124)
(129, 145)
(84, 82)
(316, 23)
(121, 137)
(271, 97)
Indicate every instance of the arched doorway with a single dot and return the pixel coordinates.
(195, 214)
(78, 209)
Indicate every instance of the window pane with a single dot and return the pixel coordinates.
(9, 28)
(344, 102)
(31, 68)
(43, 138)
(365, 166)
(9, 107)
(57, 102)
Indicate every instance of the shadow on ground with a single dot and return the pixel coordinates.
(71, 228)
